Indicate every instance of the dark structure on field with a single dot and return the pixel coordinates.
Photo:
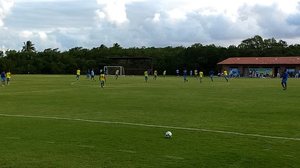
(133, 65)
(258, 66)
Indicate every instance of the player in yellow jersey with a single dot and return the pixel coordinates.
(8, 76)
(102, 80)
(200, 76)
(77, 74)
(146, 76)
(226, 75)
(196, 73)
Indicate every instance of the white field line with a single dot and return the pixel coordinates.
(174, 157)
(156, 126)
(127, 151)
(36, 91)
(86, 146)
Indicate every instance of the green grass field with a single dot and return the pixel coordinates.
(56, 121)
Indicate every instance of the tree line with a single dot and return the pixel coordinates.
(196, 56)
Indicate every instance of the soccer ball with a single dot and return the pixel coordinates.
(168, 134)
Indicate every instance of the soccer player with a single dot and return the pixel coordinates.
(284, 80)
(200, 76)
(78, 74)
(177, 72)
(102, 79)
(164, 73)
(226, 75)
(117, 74)
(146, 76)
(185, 75)
(92, 75)
(3, 78)
(8, 76)
(88, 73)
(211, 74)
(196, 73)
(155, 75)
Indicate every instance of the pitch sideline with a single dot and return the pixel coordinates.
(155, 126)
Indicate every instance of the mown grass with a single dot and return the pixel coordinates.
(250, 106)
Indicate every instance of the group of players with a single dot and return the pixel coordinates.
(199, 75)
(5, 78)
(91, 75)
(102, 78)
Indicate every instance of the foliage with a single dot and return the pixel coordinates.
(28, 47)
(196, 56)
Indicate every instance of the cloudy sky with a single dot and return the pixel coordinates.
(65, 24)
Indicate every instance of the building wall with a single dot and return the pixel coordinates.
(244, 69)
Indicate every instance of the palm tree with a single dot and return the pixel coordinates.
(28, 47)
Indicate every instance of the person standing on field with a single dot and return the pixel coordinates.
(200, 76)
(117, 74)
(3, 78)
(92, 75)
(78, 74)
(164, 73)
(226, 75)
(155, 75)
(211, 74)
(196, 73)
(285, 77)
(102, 79)
(177, 72)
(88, 74)
(146, 76)
(185, 75)
(8, 76)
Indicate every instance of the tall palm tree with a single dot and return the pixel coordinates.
(28, 47)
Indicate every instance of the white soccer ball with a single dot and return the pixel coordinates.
(168, 134)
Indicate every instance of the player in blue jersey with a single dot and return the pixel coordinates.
(211, 74)
(185, 75)
(3, 78)
(285, 77)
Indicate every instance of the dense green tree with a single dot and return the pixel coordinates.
(196, 56)
(28, 47)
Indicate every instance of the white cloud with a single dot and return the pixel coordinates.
(26, 34)
(228, 8)
(156, 17)
(177, 15)
(5, 8)
(43, 35)
(69, 23)
(114, 11)
(101, 15)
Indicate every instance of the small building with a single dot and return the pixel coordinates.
(260, 66)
